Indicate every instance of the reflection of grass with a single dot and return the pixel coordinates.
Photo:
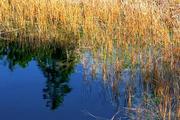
(154, 72)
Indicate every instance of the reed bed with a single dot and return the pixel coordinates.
(102, 26)
(98, 21)
(145, 75)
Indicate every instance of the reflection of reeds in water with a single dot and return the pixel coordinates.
(159, 86)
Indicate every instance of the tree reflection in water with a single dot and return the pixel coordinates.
(146, 87)
(54, 59)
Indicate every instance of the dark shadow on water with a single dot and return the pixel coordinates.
(55, 60)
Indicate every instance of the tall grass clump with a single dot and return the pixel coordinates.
(97, 22)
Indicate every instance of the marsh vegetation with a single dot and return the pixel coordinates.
(130, 47)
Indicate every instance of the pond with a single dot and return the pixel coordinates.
(50, 81)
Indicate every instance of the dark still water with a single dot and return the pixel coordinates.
(26, 94)
(50, 82)
(41, 83)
